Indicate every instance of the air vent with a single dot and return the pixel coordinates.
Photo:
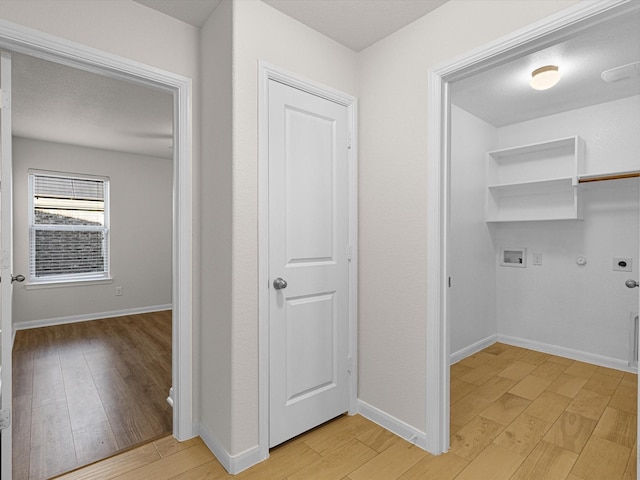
(623, 72)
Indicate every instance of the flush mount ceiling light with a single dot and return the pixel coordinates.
(544, 77)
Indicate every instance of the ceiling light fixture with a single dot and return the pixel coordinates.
(544, 77)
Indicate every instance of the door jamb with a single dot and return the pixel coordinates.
(269, 72)
(20, 39)
(523, 41)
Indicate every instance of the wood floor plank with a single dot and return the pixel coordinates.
(391, 463)
(337, 462)
(474, 437)
(546, 462)
(530, 387)
(589, 404)
(548, 406)
(495, 463)
(601, 459)
(523, 434)
(571, 431)
(94, 442)
(506, 409)
(617, 427)
(567, 385)
(171, 466)
(441, 467)
(116, 466)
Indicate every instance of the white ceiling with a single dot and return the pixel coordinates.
(67, 105)
(62, 104)
(356, 24)
(193, 12)
(502, 95)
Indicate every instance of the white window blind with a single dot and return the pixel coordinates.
(69, 227)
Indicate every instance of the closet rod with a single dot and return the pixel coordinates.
(601, 178)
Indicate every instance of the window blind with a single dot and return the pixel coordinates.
(69, 232)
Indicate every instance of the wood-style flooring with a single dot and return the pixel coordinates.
(516, 415)
(84, 391)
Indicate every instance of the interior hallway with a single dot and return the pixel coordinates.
(517, 414)
(84, 391)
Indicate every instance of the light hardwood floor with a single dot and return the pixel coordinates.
(516, 415)
(84, 391)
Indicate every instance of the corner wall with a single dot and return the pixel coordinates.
(472, 259)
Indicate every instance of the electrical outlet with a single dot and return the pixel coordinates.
(622, 264)
(537, 259)
(118, 291)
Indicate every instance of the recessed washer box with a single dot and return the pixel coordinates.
(513, 257)
(623, 264)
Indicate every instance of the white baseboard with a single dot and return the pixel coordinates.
(392, 424)
(233, 464)
(471, 349)
(49, 322)
(600, 360)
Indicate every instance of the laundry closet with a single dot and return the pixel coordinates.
(544, 224)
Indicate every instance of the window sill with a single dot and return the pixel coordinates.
(67, 283)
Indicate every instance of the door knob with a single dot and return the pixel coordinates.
(279, 283)
(16, 278)
(631, 283)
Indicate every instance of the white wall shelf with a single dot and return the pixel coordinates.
(535, 182)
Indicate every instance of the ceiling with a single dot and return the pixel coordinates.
(502, 95)
(356, 24)
(62, 104)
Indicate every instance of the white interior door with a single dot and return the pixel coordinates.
(6, 236)
(308, 261)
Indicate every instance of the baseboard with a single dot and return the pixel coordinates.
(579, 355)
(474, 348)
(50, 322)
(233, 464)
(392, 424)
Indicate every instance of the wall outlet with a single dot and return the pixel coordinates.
(537, 258)
(118, 291)
(622, 264)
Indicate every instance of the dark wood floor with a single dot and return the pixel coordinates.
(85, 391)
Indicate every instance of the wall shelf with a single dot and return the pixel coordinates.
(535, 182)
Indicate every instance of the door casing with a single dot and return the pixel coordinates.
(519, 43)
(269, 72)
(24, 40)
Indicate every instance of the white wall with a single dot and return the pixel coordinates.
(584, 308)
(472, 297)
(140, 233)
(393, 197)
(216, 274)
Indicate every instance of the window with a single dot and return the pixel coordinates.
(69, 227)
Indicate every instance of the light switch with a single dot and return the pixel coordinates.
(537, 259)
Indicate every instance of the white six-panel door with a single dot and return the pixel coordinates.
(308, 250)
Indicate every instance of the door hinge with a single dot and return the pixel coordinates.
(5, 418)
(449, 282)
(349, 253)
(349, 364)
(5, 100)
(349, 140)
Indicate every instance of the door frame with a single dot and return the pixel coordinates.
(266, 73)
(20, 39)
(521, 42)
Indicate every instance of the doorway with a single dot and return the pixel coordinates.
(24, 41)
(520, 44)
